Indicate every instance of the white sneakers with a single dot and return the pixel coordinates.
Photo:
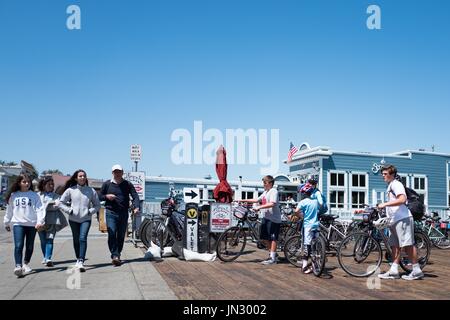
(79, 265)
(22, 271)
(389, 275)
(413, 275)
(18, 271)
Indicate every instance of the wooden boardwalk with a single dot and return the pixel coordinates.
(246, 278)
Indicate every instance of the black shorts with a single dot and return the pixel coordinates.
(269, 230)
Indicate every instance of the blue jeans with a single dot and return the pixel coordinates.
(22, 233)
(46, 245)
(117, 228)
(80, 233)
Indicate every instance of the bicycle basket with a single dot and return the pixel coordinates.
(240, 212)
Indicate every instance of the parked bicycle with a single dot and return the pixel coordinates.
(232, 241)
(333, 232)
(436, 230)
(360, 253)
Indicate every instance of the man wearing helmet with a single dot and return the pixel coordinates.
(401, 226)
(309, 208)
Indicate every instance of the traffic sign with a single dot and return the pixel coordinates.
(191, 195)
(136, 152)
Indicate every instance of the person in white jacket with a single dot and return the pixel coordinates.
(80, 202)
(26, 214)
(54, 218)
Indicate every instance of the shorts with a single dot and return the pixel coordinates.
(269, 230)
(309, 233)
(402, 233)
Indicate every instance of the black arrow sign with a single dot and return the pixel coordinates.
(192, 222)
(191, 194)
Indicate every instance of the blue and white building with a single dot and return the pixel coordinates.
(352, 179)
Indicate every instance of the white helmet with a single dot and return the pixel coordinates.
(382, 223)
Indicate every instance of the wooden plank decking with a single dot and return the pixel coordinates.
(246, 278)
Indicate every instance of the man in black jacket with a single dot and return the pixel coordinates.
(116, 192)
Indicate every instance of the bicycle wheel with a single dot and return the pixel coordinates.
(359, 254)
(318, 255)
(231, 244)
(142, 232)
(440, 238)
(423, 247)
(293, 248)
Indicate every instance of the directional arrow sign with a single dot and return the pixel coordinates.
(191, 195)
(192, 222)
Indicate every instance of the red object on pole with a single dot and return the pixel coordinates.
(222, 192)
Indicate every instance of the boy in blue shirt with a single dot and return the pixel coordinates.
(309, 208)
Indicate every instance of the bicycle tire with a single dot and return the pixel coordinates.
(142, 231)
(293, 248)
(318, 255)
(355, 255)
(423, 246)
(443, 242)
(230, 239)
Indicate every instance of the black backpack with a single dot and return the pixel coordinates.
(414, 204)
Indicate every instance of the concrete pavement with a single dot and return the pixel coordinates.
(136, 279)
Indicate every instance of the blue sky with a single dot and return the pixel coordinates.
(138, 70)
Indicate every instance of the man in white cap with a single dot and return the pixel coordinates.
(116, 194)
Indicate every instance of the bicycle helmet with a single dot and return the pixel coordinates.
(382, 223)
(312, 180)
(306, 188)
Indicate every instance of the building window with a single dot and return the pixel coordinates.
(337, 179)
(359, 180)
(210, 194)
(337, 190)
(419, 184)
(337, 199)
(247, 195)
(358, 199)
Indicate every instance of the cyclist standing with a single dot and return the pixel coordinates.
(309, 208)
(401, 228)
(316, 193)
(270, 227)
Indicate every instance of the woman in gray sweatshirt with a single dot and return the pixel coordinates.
(80, 202)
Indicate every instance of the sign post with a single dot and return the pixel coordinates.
(136, 154)
(191, 227)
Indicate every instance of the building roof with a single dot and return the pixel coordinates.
(326, 152)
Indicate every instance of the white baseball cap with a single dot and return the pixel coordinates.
(116, 167)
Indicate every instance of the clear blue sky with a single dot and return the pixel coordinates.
(137, 70)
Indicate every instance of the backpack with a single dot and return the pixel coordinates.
(324, 208)
(414, 204)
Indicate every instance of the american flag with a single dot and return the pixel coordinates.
(292, 150)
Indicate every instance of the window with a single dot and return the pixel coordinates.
(359, 180)
(419, 184)
(358, 190)
(358, 199)
(378, 197)
(337, 199)
(246, 195)
(337, 190)
(210, 194)
(337, 179)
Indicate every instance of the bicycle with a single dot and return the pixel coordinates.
(294, 248)
(360, 253)
(333, 232)
(436, 230)
(232, 241)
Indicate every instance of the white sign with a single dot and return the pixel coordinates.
(136, 152)
(220, 218)
(191, 229)
(138, 181)
(191, 195)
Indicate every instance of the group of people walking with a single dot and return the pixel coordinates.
(44, 212)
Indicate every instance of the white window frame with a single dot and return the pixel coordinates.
(344, 188)
(357, 189)
(425, 191)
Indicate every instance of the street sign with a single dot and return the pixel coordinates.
(136, 152)
(220, 217)
(191, 227)
(138, 181)
(191, 195)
